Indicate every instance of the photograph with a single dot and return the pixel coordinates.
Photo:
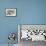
(30, 34)
(10, 11)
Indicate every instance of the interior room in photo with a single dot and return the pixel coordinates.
(31, 33)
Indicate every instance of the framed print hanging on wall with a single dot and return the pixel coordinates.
(10, 11)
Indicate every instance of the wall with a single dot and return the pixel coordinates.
(33, 12)
(28, 12)
(8, 24)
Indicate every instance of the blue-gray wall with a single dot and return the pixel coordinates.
(28, 12)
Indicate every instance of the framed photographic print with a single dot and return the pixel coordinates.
(10, 11)
(33, 32)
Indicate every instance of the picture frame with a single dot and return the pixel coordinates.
(33, 30)
(10, 11)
